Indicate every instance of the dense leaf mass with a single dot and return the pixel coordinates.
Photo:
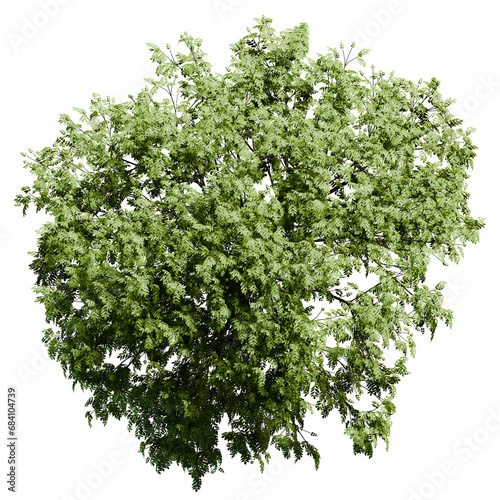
(187, 234)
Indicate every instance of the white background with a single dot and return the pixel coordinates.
(55, 57)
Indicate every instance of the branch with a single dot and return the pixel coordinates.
(130, 162)
(107, 123)
(343, 300)
(298, 430)
(440, 260)
(131, 358)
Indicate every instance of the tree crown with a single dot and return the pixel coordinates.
(177, 281)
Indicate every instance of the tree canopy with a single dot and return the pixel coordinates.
(187, 233)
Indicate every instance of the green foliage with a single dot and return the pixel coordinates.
(176, 284)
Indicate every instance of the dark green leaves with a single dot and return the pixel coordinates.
(175, 279)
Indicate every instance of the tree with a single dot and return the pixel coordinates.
(175, 282)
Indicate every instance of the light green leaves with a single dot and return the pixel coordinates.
(176, 283)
